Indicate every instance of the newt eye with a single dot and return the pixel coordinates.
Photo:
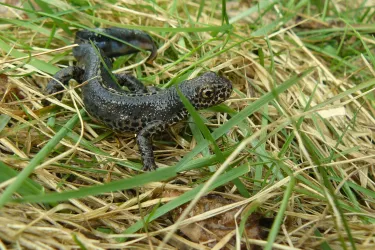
(208, 93)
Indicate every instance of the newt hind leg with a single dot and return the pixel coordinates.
(132, 83)
(61, 79)
(135, 85)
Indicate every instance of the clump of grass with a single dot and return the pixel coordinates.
(295, 141)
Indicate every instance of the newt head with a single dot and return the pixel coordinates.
(207, 90)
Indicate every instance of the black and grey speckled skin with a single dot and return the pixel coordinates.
(142, 111)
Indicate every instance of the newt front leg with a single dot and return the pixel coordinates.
(61, 79)
(144, 141)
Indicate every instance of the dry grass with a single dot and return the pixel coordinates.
(305, 156)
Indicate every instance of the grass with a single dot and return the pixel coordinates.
(294, 142)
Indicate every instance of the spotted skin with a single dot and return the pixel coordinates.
(145, 111)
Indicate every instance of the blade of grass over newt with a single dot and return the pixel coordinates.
(198, 121)
(198, 136)
(38, 158)
(186, 197)
(97, 52)
(136, 181)
(239, 117)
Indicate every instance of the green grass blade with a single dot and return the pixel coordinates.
(38, 158)
(329, 191)
(46, 8)
(29, 186)
(242, 115)
(136, 181)
(280, 214)
(200, 124)
(188, 196)
(33, 27)
(4, 119)
(39, 64)
(256, 8)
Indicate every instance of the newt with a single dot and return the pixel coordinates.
(140, 109)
